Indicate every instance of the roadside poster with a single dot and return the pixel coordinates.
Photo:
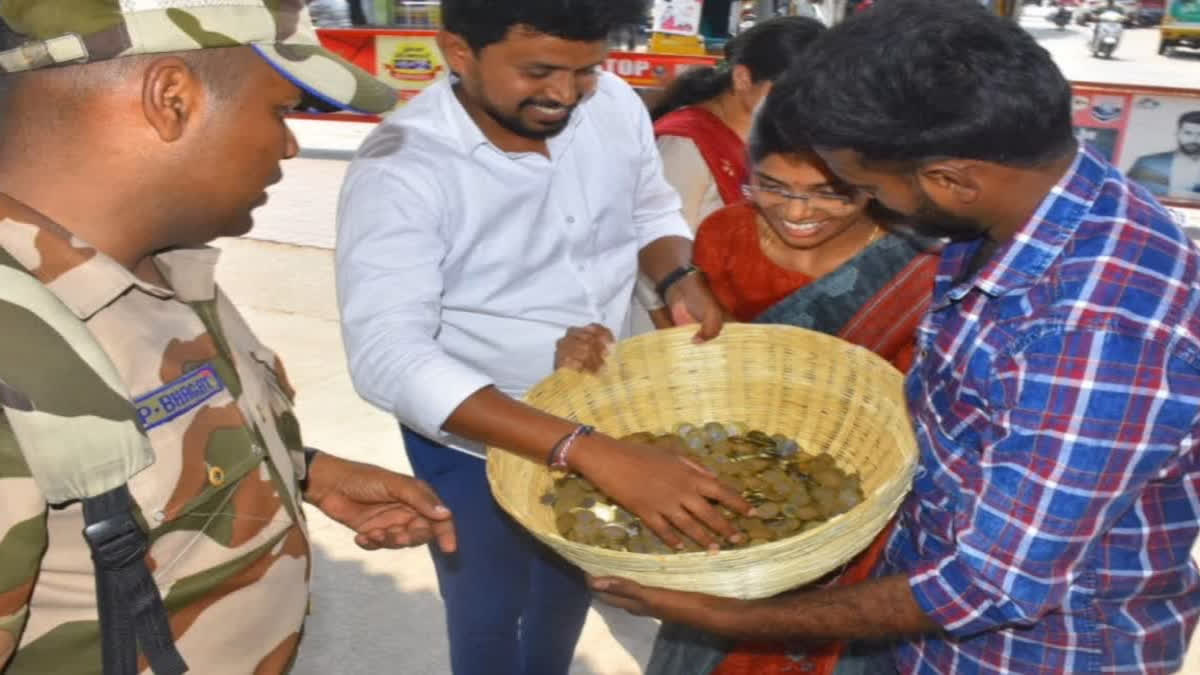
(1153, 137)
(1100, 119)
(409, 63)
(677, 17)
(1162, 146)
(652, 70)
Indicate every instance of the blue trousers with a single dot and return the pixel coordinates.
(513, 607)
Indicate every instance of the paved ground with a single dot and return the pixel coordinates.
(379, 612)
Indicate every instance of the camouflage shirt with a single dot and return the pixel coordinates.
(228, 545)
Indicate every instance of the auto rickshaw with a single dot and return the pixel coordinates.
(1180, 26)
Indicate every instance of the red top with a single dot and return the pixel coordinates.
(747, 283)
(722, 149)
(742, 277)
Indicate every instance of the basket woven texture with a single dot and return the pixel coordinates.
(829, 395)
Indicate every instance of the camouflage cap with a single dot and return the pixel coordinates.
(62, 32)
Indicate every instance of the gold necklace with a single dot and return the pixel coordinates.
(871, 239)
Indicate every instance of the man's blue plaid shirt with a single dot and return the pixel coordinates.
(1056, 399)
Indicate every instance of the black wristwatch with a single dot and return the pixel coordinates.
(679, 274)
(309, 455)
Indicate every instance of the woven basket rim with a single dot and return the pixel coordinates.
(851, 530)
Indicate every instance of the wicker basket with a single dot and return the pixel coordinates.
(830, 395)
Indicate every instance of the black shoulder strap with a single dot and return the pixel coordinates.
(132, 613)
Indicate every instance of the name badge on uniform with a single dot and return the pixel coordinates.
(179, 397)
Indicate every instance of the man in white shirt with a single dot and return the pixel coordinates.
(477, 225)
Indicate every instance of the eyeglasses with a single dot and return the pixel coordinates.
(831, 203)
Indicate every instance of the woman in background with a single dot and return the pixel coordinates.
(703, 119)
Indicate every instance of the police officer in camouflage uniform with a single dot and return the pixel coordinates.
(135, 131)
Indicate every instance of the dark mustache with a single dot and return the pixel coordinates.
(555, 105)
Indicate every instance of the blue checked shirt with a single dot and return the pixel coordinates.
(1056, 397)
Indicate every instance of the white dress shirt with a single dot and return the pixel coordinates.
(685, 169)
(1185, 176)
(459, 265)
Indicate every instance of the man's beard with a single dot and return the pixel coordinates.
(1190, 149)
(514, 124)
(929, 220)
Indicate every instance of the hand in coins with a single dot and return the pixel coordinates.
(792, 491)
(671, 493)
(584, 348)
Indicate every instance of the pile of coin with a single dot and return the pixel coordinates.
(792, 491)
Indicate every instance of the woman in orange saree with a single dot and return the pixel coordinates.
(804, 250)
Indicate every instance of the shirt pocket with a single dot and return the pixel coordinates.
(202, 444)
(243, 499)
(609, 201)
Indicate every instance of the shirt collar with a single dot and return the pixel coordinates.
(85, 279)
(1024, 260)
(464, 129)
(191, 272)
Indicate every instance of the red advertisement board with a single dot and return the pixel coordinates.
(652, 70)
(409, 59)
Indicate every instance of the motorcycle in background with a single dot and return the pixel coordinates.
(1106, 35)
(1060, 17)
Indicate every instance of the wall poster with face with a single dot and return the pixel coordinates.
(1152, 135)
(1162, 146)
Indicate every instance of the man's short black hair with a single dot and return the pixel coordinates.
(911, 80)
(1192, 117)
(485, 22)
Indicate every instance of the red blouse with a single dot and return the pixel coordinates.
(742, 277)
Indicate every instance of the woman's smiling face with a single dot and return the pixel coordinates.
(802, 201)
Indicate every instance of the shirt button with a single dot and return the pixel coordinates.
(216, 476)
(571, 219)
(159, 517)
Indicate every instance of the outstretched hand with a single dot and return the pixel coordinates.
(385, 509)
